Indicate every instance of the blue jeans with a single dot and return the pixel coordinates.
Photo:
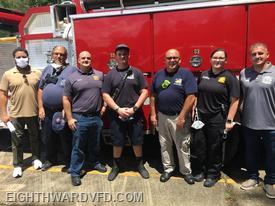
(254, 139)
(86, 136)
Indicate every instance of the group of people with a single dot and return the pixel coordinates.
(191, 114)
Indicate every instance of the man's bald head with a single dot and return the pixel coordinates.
(85, 60)
(172, 60)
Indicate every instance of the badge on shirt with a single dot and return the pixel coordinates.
(95, 77)
(131, 76)
(62, 83)
(178, 82)
(267, 80)
(205, 77)
(221, 80)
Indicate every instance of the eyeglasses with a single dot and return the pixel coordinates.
(25, 79)
(170, 58)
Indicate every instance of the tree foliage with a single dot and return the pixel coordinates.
(23, 5)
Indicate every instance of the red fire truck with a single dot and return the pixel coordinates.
(150, 27)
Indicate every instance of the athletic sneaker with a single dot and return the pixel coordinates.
(249, 184)
(37, 164)
(269, 190)
(17, 172)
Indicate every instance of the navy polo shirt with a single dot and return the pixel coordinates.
(53, 93)
(84, 90)
(170, 100)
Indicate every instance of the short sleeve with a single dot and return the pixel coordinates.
(190, 85)
(68, 90)
(4, 85)
(233, 86)
(107, 83)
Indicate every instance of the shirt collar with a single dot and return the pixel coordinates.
(84, 73)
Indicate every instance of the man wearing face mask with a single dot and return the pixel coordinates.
(22, 83)
(50, 95)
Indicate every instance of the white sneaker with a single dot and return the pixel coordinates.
(17, 172)
(37, 164)
(249, 184)
(269, 191)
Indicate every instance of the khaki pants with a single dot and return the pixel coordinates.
(181, 137)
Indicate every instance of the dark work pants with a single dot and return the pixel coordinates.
(206, 150)
(17, 138)
(53, 141)
(254, 140)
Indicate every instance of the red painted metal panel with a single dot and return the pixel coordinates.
(101, 35)
(261, 27)
(204, 29)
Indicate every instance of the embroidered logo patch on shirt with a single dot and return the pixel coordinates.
(95, 77)
(221, 80)
(267, 80)
(178, 82)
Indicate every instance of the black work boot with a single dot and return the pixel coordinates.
(115, 169)
(141, 169)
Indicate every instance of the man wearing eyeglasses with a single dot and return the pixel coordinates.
(22, 83)
(172, 97)
(50, 95)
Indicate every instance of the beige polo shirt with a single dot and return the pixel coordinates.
(23, 90)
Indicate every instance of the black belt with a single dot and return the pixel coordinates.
(90, 114)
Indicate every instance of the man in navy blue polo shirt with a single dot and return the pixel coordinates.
(82, 102)
(172, 97)
(125, 112)
(50, 94)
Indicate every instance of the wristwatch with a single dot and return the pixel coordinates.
(229, 121)
(116, 109)
(135, 108)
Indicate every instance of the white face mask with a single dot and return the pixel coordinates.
(22, 62)
(56, 66)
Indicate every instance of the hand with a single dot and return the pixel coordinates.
(154, 121)
(103, 110)
(180, 122)
(41, 113)
(72, 124)
(5, 118)
(124, 112)
(228, 126)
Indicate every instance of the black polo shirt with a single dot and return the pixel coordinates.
(215, 91)
(84, 89)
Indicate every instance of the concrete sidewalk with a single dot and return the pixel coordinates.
(53, 187)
